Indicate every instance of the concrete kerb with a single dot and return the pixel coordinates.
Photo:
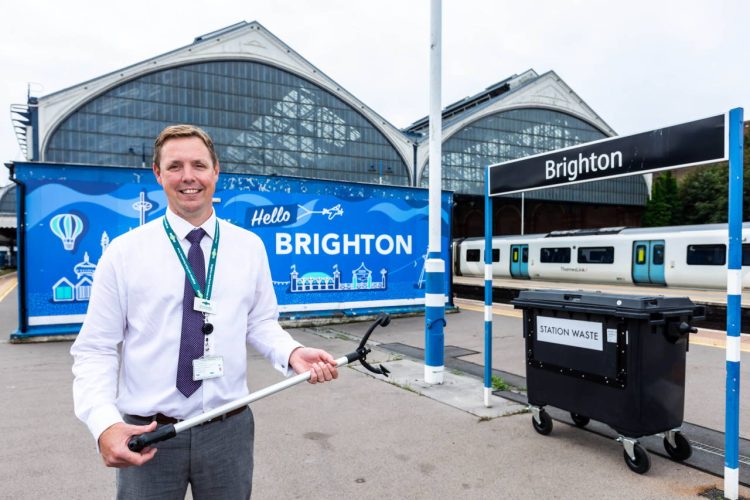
(459, 390)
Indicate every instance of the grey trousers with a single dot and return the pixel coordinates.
(216, 459)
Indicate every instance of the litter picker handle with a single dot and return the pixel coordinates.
(137, 443)
(140, 441)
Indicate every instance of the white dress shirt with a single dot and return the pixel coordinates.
(125, 357)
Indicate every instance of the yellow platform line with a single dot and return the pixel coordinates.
(9, 287)
(497, 312)
(716, 343)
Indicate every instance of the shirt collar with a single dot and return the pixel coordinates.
(181, 227)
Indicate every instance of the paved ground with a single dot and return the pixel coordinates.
(360, 437)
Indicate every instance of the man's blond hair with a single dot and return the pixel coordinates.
(180, 131)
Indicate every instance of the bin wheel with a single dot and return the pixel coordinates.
(580, 420)
(682, 451)
(545, 427)
(642, 462)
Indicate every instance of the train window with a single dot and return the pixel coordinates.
(472, 255)
(746, 255)
(557, 255)
(515, 255)
(525, 255)
(495, 255)
(596, 255)
(658, 256)
(706, 255)
(640, 254)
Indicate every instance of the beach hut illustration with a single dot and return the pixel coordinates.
(63, 291)
(83, 289)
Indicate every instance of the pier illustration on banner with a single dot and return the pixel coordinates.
(317, 281)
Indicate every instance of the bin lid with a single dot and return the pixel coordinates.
(605, 303)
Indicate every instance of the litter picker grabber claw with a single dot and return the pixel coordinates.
(140, 441)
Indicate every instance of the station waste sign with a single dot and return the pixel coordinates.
(335, 248)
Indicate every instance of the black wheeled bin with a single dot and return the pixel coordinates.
(617, 359)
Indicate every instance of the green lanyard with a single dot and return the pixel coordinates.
(186, 265)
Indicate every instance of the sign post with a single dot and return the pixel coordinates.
(435, 265)
(693, 143)
(734, 308)
(487, 292)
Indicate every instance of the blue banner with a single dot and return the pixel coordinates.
(334, 247)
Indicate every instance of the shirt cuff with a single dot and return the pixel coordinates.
(102, 418)
(286, 367)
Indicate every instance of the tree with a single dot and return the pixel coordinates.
(663, 209)
(704, 195)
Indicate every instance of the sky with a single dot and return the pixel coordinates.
(639, 64)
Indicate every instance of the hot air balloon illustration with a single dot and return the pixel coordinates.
(67, 227)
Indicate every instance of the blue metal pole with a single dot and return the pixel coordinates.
(434, 365)
(734, 298)
(487, 289)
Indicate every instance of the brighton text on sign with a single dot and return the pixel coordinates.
(692, 143)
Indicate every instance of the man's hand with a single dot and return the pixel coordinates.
(113, 445)
(322, 365)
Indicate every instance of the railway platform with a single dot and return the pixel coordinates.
(369, 437)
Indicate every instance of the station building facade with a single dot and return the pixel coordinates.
(272, 112)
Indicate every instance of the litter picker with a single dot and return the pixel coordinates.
(140, 441)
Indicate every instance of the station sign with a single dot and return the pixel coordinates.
(693, 143)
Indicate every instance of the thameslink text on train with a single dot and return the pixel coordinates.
(571, 169)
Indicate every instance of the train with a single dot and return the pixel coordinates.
(680, 256)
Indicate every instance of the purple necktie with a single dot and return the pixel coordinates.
(191, 341)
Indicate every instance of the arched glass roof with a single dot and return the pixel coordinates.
(8, 199)
(508, 135)
(263, 120)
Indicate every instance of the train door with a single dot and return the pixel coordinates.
(648, 262)
(519, 261)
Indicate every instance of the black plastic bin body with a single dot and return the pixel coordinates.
(635, 382)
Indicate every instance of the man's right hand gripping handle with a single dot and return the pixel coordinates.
(113, 445)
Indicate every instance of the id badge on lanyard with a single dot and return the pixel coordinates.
(209, 365)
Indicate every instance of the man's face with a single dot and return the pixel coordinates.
(188, 177)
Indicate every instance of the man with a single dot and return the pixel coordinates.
(173, 305)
